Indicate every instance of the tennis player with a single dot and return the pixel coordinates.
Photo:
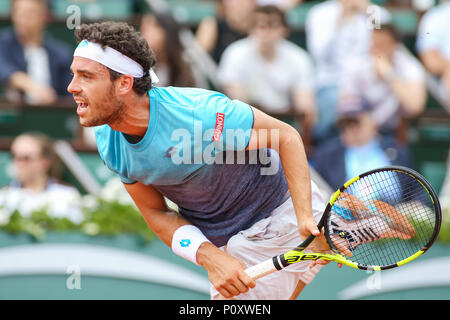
(176, 143)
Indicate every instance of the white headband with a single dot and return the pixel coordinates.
(112, 59)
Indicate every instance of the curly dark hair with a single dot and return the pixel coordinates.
(124, 38)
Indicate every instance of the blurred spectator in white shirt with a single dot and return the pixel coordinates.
(392, 80)
(232, 22)
(337, 32)
(35, 185)
(268, 71)
(433, 45)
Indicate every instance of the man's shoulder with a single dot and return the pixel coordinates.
(182, 97)
(240, 44)
(7, 36)
(387, 141)
(324, 8)
(293, 50)
(326, 148)
(239, 48)
(442, 10)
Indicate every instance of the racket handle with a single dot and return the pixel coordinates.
(261, 269)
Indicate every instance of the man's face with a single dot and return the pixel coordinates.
(268, 29)
(357, 130)
(94, 93)
(28, 16)
(29, 163)
(383, 44)
(239, 8)
(353, 5)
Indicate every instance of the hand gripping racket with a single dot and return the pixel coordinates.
(379, 220)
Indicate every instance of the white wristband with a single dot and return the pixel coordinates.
(186, 240)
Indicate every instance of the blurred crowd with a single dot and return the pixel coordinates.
(348, 89)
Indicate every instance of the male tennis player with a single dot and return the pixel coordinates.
(176, 142)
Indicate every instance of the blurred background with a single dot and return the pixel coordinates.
(367, 84)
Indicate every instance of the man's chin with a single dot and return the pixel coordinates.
(88, 124)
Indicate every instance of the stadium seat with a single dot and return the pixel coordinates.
(93, 10)
(405, 20)
(58, 122)
(5, 7)
(191, 11)
(296, 17)
(5, 160)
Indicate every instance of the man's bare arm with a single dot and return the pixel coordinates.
(273, 133)
(225, 272)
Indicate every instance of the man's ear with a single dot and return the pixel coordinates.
(124, 84)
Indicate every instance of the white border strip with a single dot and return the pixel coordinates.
(94, 260)
(424, 274)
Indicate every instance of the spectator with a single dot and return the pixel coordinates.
(268, 71)
(359, 146)
(214, 34)
(392, 80)
(30, 61)
(35, 185)
(337, 32)
(162, 34)
(433, 45)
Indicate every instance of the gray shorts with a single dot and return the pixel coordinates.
(268, 237)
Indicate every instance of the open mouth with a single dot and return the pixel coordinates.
(82, 107)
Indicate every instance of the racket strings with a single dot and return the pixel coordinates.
(381, 219)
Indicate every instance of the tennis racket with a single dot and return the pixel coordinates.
(381, 219)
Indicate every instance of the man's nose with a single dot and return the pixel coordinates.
(73, 87)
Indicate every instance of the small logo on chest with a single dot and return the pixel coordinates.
(170, 152)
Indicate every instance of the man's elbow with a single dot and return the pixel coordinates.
(289, 136)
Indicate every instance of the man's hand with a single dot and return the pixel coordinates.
(319, 244)
(383, 67)
(308, 226)
(42, 94)
(226, 273)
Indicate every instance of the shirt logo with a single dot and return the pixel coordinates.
(185, 243)
(220, 120)
(170, 152)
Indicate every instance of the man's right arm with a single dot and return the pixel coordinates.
(225, 272)
(153, 208)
